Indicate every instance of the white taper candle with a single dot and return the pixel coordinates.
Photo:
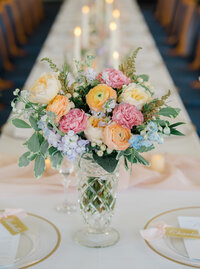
(85, 26)
(77, 43)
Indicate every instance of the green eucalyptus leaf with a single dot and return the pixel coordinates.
(145, 149)
(126, 163)
(24, 160)
(41, 138)
(52, 150)
(56, 159)
(108, 162)
(39, 166)
(169, 112)
(20, 123)
(32, 156)
(33, 123)
(141, 159)
(33, 143)
(44, 147)
(144, 77)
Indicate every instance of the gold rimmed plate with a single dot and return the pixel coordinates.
(173, 249)
(37, 244)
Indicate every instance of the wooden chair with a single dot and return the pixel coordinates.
(37, 11)
(16, 17)
(5, 84)
(26, 15)
(176, 24)
(13, 49)
(4, 54)
(164, 11)
(188, 29)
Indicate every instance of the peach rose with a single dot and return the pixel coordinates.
(98, 95)
(59, 105)
(45, 88)
(116, 137)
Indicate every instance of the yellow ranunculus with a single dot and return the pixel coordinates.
(98, 95)
(134, 94)
(45, 88)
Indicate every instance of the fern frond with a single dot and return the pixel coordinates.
(128, 66)
(51, 64)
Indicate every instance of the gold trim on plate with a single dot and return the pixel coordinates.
(156, 251)
(53, 250)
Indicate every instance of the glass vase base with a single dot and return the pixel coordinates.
(91, 239)
(67, 208)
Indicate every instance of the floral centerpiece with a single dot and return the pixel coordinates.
(101, 118)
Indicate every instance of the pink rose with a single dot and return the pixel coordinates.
(127, 115)
(75, 120)
(113, 78)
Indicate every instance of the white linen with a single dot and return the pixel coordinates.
(134, 206)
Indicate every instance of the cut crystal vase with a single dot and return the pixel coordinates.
(97, 197)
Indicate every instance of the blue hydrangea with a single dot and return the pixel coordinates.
(72, 146)
(152, 127)
(138, 141)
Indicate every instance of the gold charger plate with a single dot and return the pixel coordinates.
(37, 244)
(173, 249)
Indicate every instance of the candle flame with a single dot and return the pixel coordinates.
(113, 26)
(109, 1)
(115, 55)
(85, 9)
(77, 31)
(116, 13)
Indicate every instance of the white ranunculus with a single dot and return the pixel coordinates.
(135, 94)
(94, 133)
(45, 88)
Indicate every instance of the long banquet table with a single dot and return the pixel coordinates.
(135, 206)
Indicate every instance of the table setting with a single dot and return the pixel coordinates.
(99, 160)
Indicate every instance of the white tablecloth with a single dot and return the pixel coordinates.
(134, 206)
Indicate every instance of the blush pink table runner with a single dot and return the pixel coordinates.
(181, 173)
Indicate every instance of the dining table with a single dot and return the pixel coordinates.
(137, 202)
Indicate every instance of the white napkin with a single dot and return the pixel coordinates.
(192, 245)
(8, 246)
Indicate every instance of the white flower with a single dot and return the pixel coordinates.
(68, 95)
(135, 94)
(100, 153)
(103, 147)
(140, 80)
(93, 132)
(70, 79)
(75, 94)
(16, 92)
(93, 144)
(166, 130)
(72, 104)
(109, 151)
(45, 88)
(90, 74)
(24, 94)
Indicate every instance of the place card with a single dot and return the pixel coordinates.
(10, 245)
(192, 245)
(13, 224)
